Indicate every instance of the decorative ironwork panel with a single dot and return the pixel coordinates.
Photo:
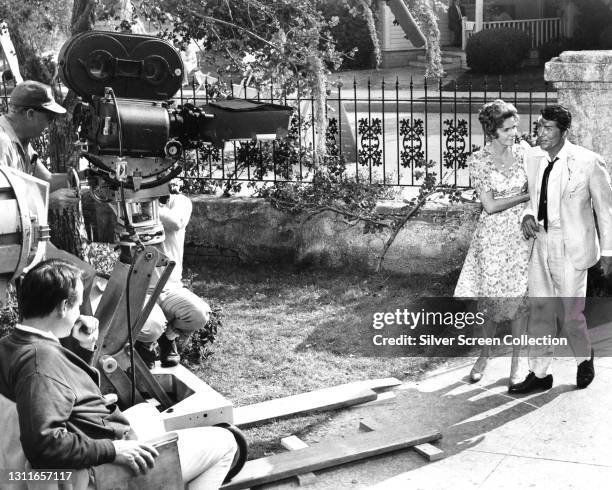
(332, 131)
(412, 154)
(370, 152)
(455, 155)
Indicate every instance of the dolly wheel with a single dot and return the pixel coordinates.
(242, 453)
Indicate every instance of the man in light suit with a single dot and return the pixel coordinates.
(568, 186)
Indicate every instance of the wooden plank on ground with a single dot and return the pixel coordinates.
(428, 451)
(381, 399)
(379, 385)
(292, 443)
(312, 401)
(324, 399)
(327, 454)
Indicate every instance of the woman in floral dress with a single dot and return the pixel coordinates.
(495, 269)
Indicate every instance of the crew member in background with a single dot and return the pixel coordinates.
(31, 110)
(179, 311)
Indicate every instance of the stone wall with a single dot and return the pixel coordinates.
(252, 231)
(583, 80)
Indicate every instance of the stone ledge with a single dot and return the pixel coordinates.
(253, 231)
(580, 66)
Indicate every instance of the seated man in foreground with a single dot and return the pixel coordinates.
(64, 420)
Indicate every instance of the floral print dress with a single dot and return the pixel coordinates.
(495, 268)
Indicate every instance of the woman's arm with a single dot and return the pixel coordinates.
(492, 205)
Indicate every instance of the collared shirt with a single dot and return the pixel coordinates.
(12, 152)
(43, 333)
(554, 187)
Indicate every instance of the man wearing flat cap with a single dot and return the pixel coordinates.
(32, 107)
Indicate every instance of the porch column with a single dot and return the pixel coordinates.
(583, 80)
(478, 16)
(569, 18)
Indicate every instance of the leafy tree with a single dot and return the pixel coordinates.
(37, 28)
(285, 41)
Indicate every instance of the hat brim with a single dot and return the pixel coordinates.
(53, 106)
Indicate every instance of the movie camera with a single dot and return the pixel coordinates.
(133, 135)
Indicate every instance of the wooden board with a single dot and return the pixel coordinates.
(381, 399)
(323, 399)
(327, 454)
(428, 451)
(304, 403)
(292, 443)
(199, 404)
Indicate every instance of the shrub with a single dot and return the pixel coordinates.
(497, 50)
(593, 18)
(9, 313)
(554, 48)
(198, 347)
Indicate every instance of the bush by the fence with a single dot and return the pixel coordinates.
(592, 19)
(497, 50)
(555, 47)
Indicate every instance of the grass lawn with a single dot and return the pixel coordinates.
(287, 331)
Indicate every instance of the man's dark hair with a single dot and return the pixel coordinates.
(559, 114)
(45, 286)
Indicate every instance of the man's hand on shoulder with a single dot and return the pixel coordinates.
(85, 330)
(529, 226)
(606, 265)
(138, 456)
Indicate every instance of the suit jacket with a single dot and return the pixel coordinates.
(454, 20)
(585, 188)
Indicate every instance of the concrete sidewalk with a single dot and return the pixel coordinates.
(559, 439)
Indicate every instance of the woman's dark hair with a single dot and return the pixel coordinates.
(493, 114)
(45, 286)
(559, 114)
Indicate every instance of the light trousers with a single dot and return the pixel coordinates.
(557, 293)
(179, 312)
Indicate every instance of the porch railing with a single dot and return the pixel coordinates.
(541, 31)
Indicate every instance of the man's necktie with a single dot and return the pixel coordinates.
(543, 206)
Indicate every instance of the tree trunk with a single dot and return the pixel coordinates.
(62, 131)
(66, 222)
(65, 213)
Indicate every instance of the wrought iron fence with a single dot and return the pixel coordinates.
(389, 133)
